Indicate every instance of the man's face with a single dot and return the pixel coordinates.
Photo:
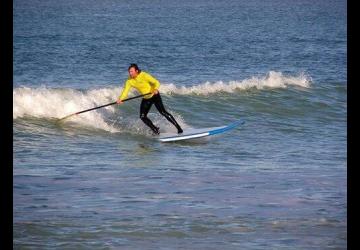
(133, 73)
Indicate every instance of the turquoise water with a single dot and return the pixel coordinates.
(101, 181)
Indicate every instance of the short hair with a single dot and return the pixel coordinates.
(134, 65)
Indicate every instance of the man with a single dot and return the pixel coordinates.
(145, 83)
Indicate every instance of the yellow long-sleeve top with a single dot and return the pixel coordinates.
(143, 82)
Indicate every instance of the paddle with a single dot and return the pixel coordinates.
(112, 103)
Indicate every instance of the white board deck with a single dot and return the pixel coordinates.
(194, 133)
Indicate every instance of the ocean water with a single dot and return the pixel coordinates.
(100, 180)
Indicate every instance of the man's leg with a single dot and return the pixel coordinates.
(160, 107)
(144, 110)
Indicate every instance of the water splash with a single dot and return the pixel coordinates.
(45, 102)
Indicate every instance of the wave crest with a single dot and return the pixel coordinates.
(44, 102)
(271, 80)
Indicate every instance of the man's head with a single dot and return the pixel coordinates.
(133, 70)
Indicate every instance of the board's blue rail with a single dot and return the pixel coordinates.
(230, 126)
(204, 132)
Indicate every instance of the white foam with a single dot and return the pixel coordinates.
(45, 102)
(271, 80)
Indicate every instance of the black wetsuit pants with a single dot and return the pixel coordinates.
(145, 108)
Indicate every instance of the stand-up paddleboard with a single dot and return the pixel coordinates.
(197, 133)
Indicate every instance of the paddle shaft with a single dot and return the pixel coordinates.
(95, 108)
(83, 111)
